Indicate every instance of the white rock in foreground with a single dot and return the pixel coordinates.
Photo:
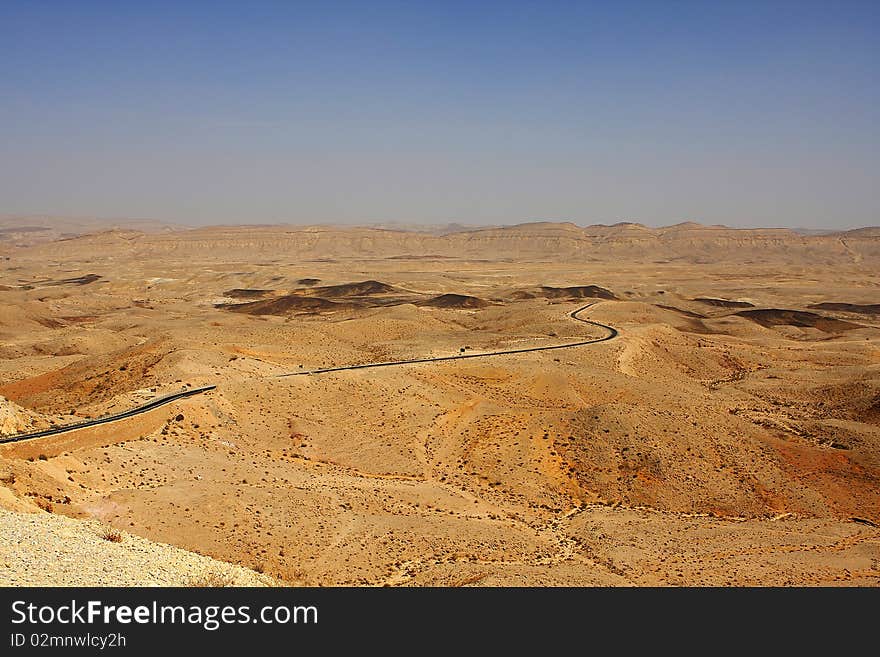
(42, 549)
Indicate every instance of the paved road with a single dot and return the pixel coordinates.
(611, 333)
(149, 406)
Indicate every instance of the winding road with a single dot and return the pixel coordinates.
(137, 410)
(611, 333)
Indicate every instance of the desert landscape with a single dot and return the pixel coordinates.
(717, 422)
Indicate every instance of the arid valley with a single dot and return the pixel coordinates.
(727, 433)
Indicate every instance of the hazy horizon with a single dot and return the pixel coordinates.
(747, 115)
(43, 218)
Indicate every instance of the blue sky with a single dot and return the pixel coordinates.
(748, 114)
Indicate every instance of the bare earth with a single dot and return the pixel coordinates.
(729, 435)
(51, 550)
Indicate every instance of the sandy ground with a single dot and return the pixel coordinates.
(707, 444)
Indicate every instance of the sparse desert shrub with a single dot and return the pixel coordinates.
(43, 457)
(112, 535)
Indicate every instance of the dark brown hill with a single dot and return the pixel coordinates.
(361, 289)
(77, 280)
(571, 292)
(724, 303)
(770, 317)
(861, 309)
(285, 305)
(454, 301)
(243, 293)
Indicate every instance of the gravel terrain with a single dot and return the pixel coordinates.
(42, 549)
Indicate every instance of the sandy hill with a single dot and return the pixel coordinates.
(26, 230)
(868, 231)
(15, 419)
(683, 243)
(701, 445)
